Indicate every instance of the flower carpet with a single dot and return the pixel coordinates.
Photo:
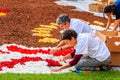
(24, 23)
(20, 59)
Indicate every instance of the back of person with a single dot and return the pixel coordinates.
(117, 5)
(90, 45)
(80, 26)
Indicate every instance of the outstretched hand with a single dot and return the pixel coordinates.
(52, 50)
(55, 69)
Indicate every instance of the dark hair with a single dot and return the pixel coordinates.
(108, 9)
(68, 34)
(62, 19)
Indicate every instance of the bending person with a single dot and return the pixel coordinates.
(65, 22)
(90, 52)
(113, 10)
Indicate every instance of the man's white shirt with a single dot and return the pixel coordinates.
(80, 26)
(90, 45)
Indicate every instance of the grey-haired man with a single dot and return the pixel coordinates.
(65, 22)
(80, 26)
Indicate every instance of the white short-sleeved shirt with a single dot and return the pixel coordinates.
(90, 45)
(80, 26)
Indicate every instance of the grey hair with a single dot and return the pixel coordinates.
(62, 19)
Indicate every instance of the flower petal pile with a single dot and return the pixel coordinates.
(45, 32)
(3, 12)
(20, 59)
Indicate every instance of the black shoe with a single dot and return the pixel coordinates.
(105, 68)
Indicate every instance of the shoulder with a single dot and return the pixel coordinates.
(117, 3)
(82, 36)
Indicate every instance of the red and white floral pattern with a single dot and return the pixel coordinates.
(20, 59)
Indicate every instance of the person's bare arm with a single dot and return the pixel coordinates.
(68, 56)
(71, 63)
(116, 24)
(60, 68)
(66, 46)
(60, 44)
(57, 48)
(109, 22)
(66, 65)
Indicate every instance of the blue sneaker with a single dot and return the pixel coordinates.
(78, 70)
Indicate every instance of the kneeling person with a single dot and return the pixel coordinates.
(90, 52)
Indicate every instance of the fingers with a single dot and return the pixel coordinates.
(62, 61)
(55, 70)
(52, 50)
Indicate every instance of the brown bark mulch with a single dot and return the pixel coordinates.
(26, 15)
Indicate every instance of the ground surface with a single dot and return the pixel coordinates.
(26, 15)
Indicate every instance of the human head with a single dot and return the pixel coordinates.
(63, 21)
(108, 10)
(68, 34)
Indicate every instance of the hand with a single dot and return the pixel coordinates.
(62, 61)
(52, 50)
(55, 69)
(105, 29)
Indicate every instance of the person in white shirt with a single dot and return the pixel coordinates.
(80, 26)
(90, 52)
(65, 22)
